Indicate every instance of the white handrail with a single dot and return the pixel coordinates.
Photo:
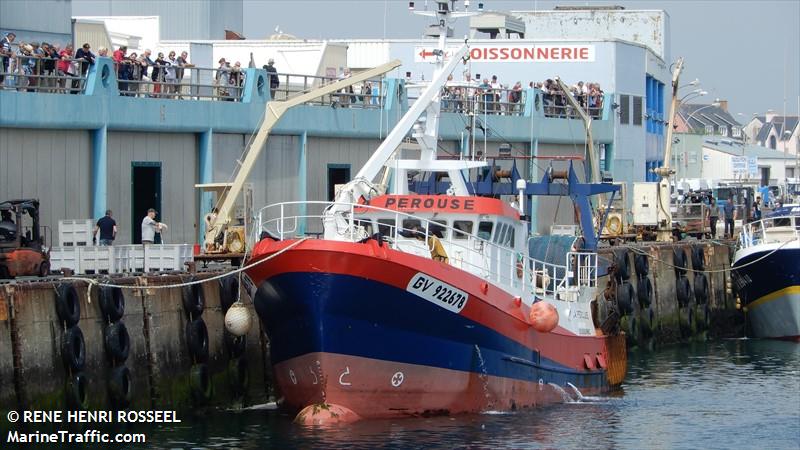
(756, 233)
(513, 270)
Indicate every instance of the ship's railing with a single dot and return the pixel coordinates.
(557, 106)
(369, 94)
(502, 265)
(466, 98)
(770, 230)
(39, 74)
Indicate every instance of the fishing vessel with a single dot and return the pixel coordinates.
(766, 272)
(394, 300)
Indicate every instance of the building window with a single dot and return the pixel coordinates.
(772, 143)
(338, 174)
(624, 109)
(723, 131)
(637, 110)
(709, 129)
(736, 132)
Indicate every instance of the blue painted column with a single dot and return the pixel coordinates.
(99, 172)
(206, 176)
(533, 176)
(302, 175)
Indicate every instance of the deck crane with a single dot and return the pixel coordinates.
(218, 225)
(664, 211)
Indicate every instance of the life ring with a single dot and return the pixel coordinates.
(236, 345)
(614, 225)
(238, 376)
(68, 306)
(228, 291)
(112, 303)
(197, 340)
(73, 349)
(194, 300)
(117, 341)
(200, 383)
(700, 288)
(120, 387)
(76, 391)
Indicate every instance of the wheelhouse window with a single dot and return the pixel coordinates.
(485, 230)
(462, 229)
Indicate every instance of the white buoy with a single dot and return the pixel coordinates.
(237, 319)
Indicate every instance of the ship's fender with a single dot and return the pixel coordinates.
(68, 306)
(117, 341)
(194, 300)
(543, 317)
(197, 339)
(112, 303)
(73, 349)
(119, 386)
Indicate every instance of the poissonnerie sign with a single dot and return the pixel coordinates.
(516, 53)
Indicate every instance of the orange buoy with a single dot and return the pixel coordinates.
(543, 317)
(325, 414)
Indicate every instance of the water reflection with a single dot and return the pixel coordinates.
(724, 394)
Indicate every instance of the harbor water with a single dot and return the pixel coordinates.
(738, 393)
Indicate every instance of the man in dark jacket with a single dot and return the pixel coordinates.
(87, 56)
(273, 77)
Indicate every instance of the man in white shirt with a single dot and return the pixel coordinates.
(149, 227)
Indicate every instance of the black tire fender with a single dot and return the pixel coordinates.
(76, 392)
(73, 349)
(120, 387)
(194, 300)
(228, 291)
(112, 303)
(624, 298)
(117, 341)
(682, 290)
(238, 376)
(641, 264)
(623, 270)
(200, 383)
(236, 345)
(700, 288)
(679, 260)
(68, 306)
(644, 292)
(197, 340)
(698, 258)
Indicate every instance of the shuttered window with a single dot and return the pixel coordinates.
(624, 109)
(637, 110)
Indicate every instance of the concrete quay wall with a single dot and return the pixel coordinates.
(164, 372)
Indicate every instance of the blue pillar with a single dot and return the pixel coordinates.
(206, 176)
(302, 175)
(99, 172)
(534, 177)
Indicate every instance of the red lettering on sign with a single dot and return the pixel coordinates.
(516, 53)
(402, 203)
(415, 203)
(428, 203)
(566, 53)
(541, 53)
(475, 53)
(390, 201)
(469, 204)
(584, 53)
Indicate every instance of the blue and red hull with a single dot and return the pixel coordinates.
(345, 329)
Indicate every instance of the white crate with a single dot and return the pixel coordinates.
(95, 259)
(122, 258)
(64, 258)
(167, 257)
(75, 232)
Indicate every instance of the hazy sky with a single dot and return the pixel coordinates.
(745, 51)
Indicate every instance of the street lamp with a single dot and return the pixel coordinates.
(688, 126)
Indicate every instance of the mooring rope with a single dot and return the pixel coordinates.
(642, 252)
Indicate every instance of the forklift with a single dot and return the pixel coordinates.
(21, 241)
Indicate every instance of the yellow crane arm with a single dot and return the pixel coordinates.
(587, 123)
(274, 111)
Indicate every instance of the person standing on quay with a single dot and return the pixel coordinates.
(149, 227)
(108, 229)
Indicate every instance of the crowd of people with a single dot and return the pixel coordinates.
(45, 67)
(489, 96)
